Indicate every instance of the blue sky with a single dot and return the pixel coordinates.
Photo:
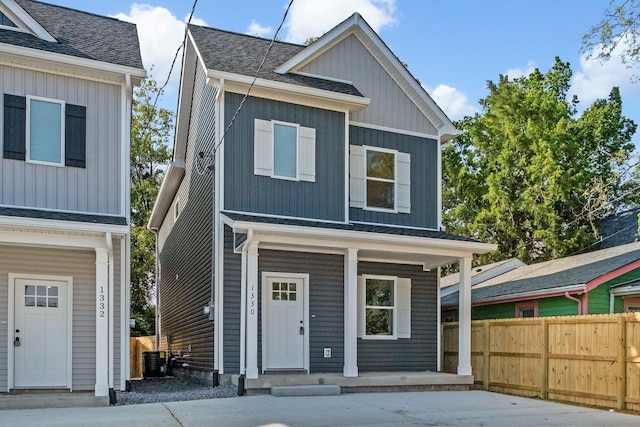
(452, 47)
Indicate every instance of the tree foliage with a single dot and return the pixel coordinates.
(150, 131)
(618, 31)
(531, 175)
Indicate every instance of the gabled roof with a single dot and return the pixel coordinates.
(558, 275)
(72, 33)
(356, 25)
(242, 54)
(483, 273)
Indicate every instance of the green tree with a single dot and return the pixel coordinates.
(529, 174)
(150, 131)
(619, 28)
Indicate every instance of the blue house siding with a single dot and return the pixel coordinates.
(326, 302)
(424, 177)
(246, 192)
(412, 354)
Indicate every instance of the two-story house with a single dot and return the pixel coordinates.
(298, 224)
(67, 79)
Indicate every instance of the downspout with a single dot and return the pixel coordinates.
(243, 303)
(157, 292)
(567, 295)
(611, 302)
(111, 312)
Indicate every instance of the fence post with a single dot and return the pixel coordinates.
(622, 363)
(544, 363)
(487, 354)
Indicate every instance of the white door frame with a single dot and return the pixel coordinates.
(11, 323)
(266, 276)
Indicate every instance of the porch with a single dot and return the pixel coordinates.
(364, 382)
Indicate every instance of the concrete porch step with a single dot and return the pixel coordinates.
(305, 390)
(51, 400)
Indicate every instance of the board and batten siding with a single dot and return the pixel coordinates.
(424, 177)
(247, 192)
(186, 250)
(419, 352)
(390, 107)
(80, 264)
(326, 302)
(94, 189)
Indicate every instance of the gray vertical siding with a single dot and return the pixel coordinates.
(246, 192)
(94, 189)
(390, 107)
(424, 177)
(326, 302)
(418, 352)
(57, 262)
(232, 300)
(186, 257)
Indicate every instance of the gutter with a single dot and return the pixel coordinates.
(567, 295)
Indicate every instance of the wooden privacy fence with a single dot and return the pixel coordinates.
(137, 346)
(591, 360)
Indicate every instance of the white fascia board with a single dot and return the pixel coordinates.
(522, 295)
(367, 240)
(625, 290)
(32, 25)
(185, 104)
(168, 189)
(139, 73)
(353, 103)
(60, 225)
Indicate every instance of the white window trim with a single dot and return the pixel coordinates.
(273, 148)
(394, 336)
(394, 181)
(28, 131)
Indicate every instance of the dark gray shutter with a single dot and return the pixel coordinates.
(75, 135)
(15, 127)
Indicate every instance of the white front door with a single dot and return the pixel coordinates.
(285, 327)
(40, 333)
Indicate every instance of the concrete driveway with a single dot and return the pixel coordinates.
(449, 408)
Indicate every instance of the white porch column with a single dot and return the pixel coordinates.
(351, 313)
(464, 318)
(102, 322)
(252, 311)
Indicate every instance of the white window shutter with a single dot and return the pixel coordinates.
(307, 155)
(403, 305)
(263, 148)
(404, 182)
(356, 176)
(360, 314)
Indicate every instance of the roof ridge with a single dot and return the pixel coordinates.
(113, 18)
(245, 35)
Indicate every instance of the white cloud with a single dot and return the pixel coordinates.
(514, 73)
(255, 29)
(454, 103)
(313, 18)
(596, 78)
(160, 34)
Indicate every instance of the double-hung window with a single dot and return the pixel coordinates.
(284, 150)
(381, 179)
(384, 307)
(45, 131)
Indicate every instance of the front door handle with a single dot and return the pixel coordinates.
(16, 342)
(301, 330)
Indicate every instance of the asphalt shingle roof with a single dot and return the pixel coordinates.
(367, 228)
(619, 229)
(80, 34)
(574, 270)
(242, 54)
(63, 216)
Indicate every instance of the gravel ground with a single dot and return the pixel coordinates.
(170, 389)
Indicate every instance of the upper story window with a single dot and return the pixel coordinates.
(6, 22)
(284, 150)
(379, 179)
(45, 131)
